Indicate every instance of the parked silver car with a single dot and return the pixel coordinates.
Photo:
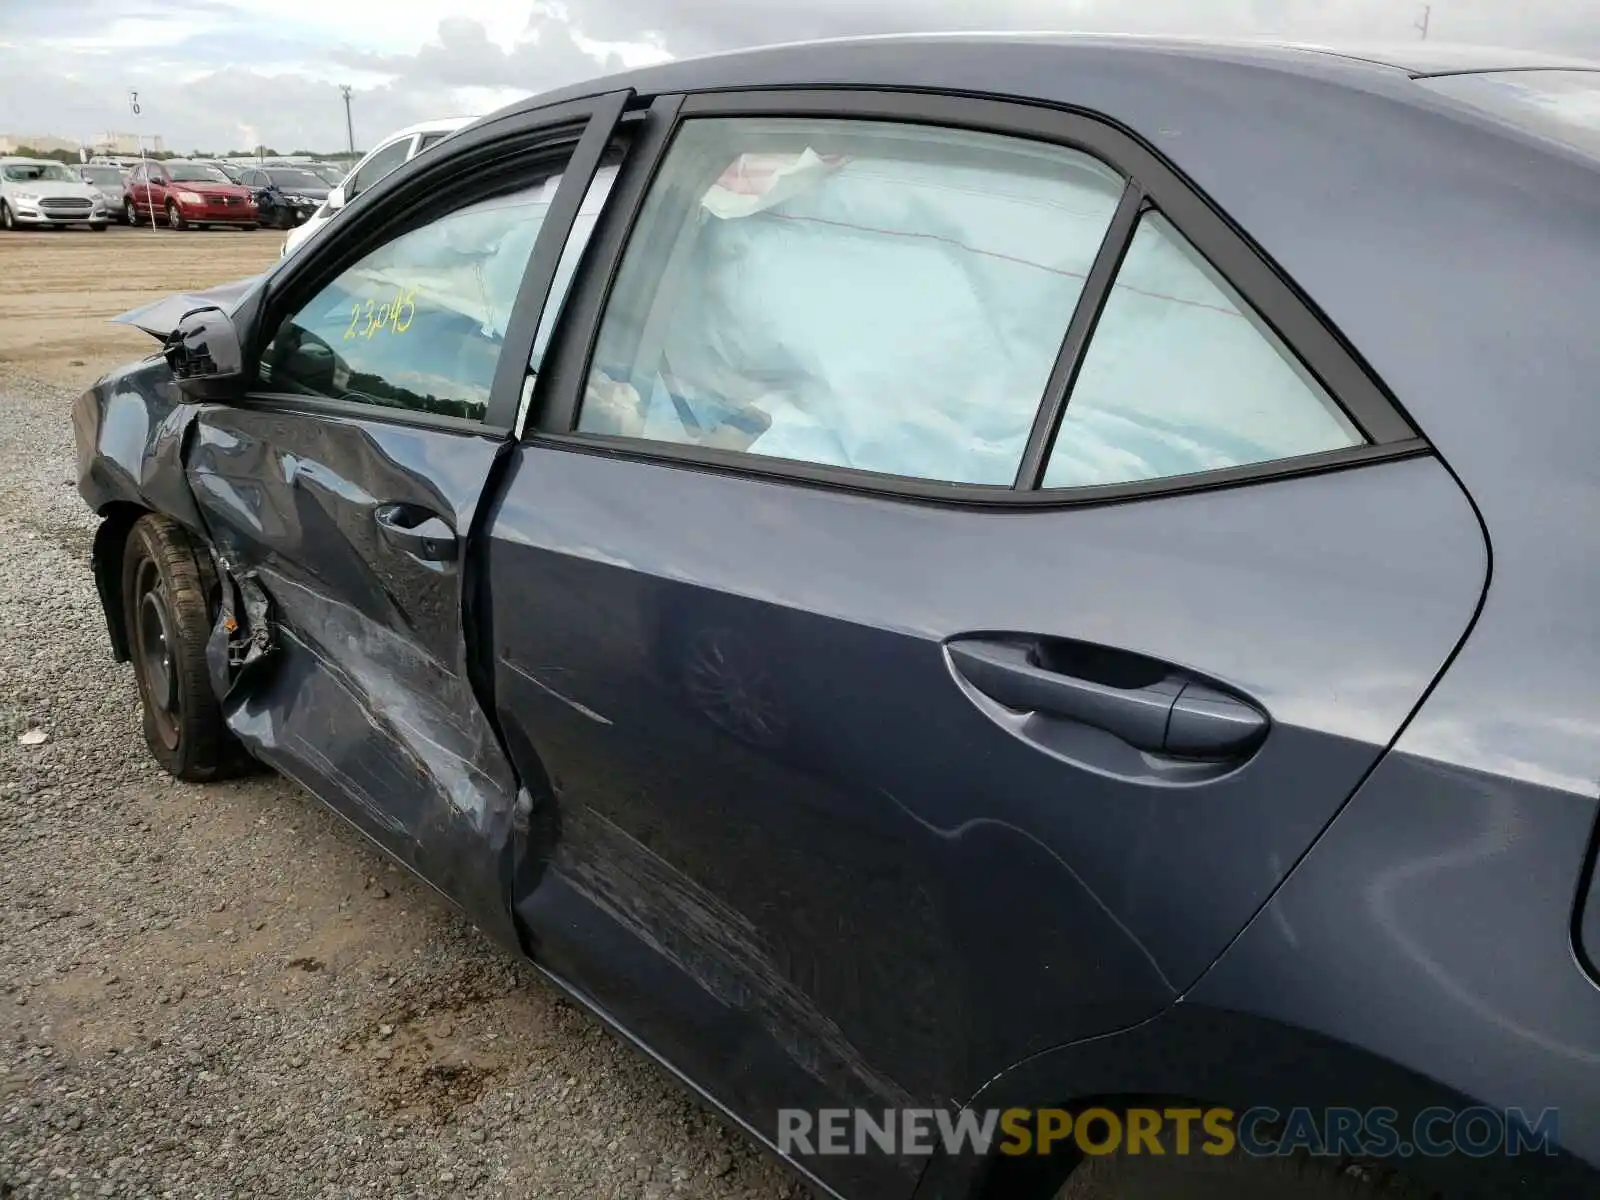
(42, 192)
(110, 183)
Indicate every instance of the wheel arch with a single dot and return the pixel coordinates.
(117, 520)
(1194, 1056)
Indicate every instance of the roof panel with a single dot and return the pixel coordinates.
(1445, 58)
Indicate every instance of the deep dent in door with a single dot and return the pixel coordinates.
(353, 682)
(367, 694)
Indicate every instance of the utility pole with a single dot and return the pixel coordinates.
(1427, 11)
(349, 129)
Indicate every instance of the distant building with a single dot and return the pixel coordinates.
(128, 143)
(10, 143)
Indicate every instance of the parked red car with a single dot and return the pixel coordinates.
(187, 195)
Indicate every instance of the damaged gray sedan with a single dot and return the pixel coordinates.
(946, 573)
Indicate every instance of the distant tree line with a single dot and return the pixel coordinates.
(66, 156)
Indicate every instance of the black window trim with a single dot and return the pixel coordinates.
(578, 132)
(1151, 183)
(937, 492)
(522, 325)
(1075, 343)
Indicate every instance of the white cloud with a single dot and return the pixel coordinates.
(128, 34)
(206, 68)
(397, 26)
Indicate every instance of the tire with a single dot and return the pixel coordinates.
(175, 219)
(7, 221)
(130, 214)
(164, 597)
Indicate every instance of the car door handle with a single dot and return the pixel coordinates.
(423, 534)
(1168, 713)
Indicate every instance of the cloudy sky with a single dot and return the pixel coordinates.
(220, 74)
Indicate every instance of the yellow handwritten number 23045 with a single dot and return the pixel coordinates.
(394, 315)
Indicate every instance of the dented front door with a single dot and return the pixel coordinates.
(364, 697)
(343, 493)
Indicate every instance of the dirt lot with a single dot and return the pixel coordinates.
(62, 284)
(222, 991)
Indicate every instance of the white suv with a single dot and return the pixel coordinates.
(38, 192)
(390, 153)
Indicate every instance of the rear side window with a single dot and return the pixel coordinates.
(894, 298)
(1180, 377)
(885, 297)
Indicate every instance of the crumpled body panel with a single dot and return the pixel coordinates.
(366, 698)
(355, 713)
(130, 429)
(340, 658)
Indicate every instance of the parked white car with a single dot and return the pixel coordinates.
(37, 192)
(398, 148)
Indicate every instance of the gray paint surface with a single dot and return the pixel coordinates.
(693, 863)
(723, 676)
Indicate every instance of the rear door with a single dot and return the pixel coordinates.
(950, 580)
(345, 489)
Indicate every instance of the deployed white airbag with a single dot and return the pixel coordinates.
(884, 314)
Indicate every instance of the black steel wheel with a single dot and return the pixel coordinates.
(164, 596)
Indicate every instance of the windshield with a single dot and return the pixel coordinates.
(194, 173)
(1561, 105)
(295, 179)
(103, 176)
(331, 173)
(27, 172)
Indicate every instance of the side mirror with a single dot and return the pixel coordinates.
(205, 356)
(338, 197)
(309, 361)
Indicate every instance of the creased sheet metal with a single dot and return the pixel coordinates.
(365, 697)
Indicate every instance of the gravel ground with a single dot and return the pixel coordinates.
(221, 991)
